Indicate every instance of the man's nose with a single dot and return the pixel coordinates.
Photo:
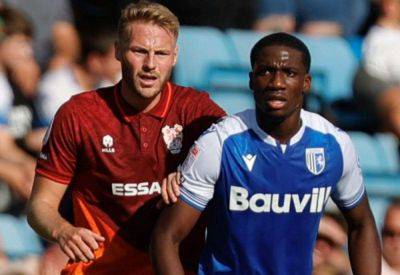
(278, 80)
(149, 62)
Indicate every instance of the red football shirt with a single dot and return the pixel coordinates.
(114, 159)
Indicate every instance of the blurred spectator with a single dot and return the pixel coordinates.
(55, 41)
(329, 253)
(97, 67)
(19, 74)
(377, 82)
(221, 14)
(95, 14)
(391, 240)
(313, 17)
(20, 247)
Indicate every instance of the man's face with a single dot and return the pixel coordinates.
(147, 59)
(278, 80)
(391, 237)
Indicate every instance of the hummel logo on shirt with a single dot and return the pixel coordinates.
(249, 160)
(108, 144)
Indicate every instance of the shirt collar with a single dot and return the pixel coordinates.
(159, 111)
(272, 141)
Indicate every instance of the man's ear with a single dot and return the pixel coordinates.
(307, 84)
(251, 80)
(117, 51)
(176, 51)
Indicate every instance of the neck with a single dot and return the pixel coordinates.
(84, 79)
(281, 129)
(136, 101)
(389, 23)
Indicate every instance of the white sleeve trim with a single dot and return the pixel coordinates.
(350, 189)
(201, 170)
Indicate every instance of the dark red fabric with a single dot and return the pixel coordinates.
(75, 154)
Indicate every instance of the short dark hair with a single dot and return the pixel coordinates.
(99, 41)
(13, 21)
(281, 39)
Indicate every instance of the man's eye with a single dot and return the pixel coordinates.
(264, 71)
(139, 51)
(162, 53)
(290, 73)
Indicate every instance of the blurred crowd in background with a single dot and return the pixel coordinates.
(53, 49)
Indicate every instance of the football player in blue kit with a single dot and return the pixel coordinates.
(265, 176)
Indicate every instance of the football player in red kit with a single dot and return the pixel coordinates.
(112, 147)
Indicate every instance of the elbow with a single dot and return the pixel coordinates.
(160, 236)
(162, 242)
(31, 215)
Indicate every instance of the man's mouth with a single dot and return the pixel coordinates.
(147, 80)
(276, 101)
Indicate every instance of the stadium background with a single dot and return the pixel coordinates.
(214, 46)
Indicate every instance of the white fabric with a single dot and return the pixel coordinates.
(55, 88)
(387, 270)
(350, 187)
(201, 168)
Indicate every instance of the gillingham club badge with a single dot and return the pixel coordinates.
(315, 160)
(173, 137)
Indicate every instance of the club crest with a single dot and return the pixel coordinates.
(315, 160)
(173, 137)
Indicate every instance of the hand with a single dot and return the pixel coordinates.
(170, 188)
(78, 243)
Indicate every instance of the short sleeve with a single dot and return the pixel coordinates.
(350, 189)
(201, 169)
(58, 157)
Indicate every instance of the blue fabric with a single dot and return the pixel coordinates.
(275, 237)
(3, 119)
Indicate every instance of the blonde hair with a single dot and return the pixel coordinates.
(146, 12)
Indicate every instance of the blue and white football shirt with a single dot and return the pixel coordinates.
(266, 199)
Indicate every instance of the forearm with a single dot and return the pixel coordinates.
(165, 254)
(365, 250)
(10, 151)
(46, 220)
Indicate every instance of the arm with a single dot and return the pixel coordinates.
(16, 166)
(77, 243)
(10, 151)
(34, 139)
(14, 175)
(173, 226)
(364, 246)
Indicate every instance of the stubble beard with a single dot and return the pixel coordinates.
(133, 84)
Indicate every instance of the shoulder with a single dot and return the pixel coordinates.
(231, 125)
(88, 98)
(194, 104)
(320, 124)
(88, 101)
(189, 95)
